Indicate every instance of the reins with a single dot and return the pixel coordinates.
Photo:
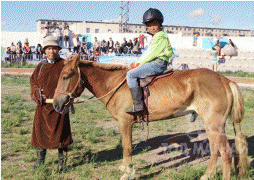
(113, 90)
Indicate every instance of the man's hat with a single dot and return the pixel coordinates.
(50, 41)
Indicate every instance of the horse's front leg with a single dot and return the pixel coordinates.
(126, 131)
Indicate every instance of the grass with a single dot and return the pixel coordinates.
(17, 65)
(237, 74)
(97, 152)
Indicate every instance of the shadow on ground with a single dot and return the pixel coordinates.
(193, 153)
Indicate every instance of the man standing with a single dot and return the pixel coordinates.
(51, 130)
(141, 40)
(58, 35)
(66, 34)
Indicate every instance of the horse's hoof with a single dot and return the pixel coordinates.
(122, 168)
(205, 177)
(129, 174)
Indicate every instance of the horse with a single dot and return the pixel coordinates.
(212, 96)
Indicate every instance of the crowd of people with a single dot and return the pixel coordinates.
(219, 53)
(22, 53)
(99, 48)
(112, 47)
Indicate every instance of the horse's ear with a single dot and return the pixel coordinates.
(65, 62)
(75, 60)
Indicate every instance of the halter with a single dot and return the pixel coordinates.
(71, 95)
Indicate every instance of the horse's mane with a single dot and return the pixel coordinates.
(110, 67)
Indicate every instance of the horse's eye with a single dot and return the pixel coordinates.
(65, 77)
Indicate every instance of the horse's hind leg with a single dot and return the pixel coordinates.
(215, 128)
(210, 172)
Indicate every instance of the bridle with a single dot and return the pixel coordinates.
(72, 95)
(79, 84)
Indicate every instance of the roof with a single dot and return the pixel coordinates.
(56, 20)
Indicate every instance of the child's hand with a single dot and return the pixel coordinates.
(134, 65)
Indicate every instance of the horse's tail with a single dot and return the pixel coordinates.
(237, 113)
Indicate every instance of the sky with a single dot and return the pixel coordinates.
(21, 16)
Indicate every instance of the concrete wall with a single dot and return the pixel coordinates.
(8, 37)
(177, 40)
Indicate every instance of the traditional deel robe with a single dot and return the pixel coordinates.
(51, 130)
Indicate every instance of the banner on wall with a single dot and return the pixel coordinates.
(208, 43)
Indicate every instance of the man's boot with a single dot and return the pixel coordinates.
(138, 104)
(61, 161)
(41, 158)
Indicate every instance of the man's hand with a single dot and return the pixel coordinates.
(134, 65)
(42, 97)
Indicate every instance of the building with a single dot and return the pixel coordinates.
(49, 25)
(86, 27)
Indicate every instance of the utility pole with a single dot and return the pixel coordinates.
(124, 14)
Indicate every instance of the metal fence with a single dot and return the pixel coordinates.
(23, 58)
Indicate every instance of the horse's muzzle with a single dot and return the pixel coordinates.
(60, 102)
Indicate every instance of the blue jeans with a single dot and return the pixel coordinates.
(156, 67)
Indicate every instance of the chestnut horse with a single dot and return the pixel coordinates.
(212, 96)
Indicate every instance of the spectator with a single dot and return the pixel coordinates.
(19, 51)
(104, 47)
(195, 38)
(83, 41)
(123, 48)
(141, 40)
(96, 54)
(228, 50)
(69, 54)
(39, 52)
(27, 51)
(85, 48)
(66, 34)
(217, 47)
(111, 52)
(58, 34)
(136, 47)
(96, 45)
(13, 50)
(19, 42)
(78, 46)
(117, 47)
(110, 44)
(90, 56)
(214, 58)
(8, 54)
(75, 44)
(231, 43)
(129, 46)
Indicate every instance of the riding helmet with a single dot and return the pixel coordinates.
(153, 14)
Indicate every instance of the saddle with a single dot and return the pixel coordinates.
(145, 83)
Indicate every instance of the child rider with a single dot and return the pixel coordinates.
(153, 62)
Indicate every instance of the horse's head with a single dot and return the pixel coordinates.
(70, 85)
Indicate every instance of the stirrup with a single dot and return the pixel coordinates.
(134, 109)
(193, 117)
